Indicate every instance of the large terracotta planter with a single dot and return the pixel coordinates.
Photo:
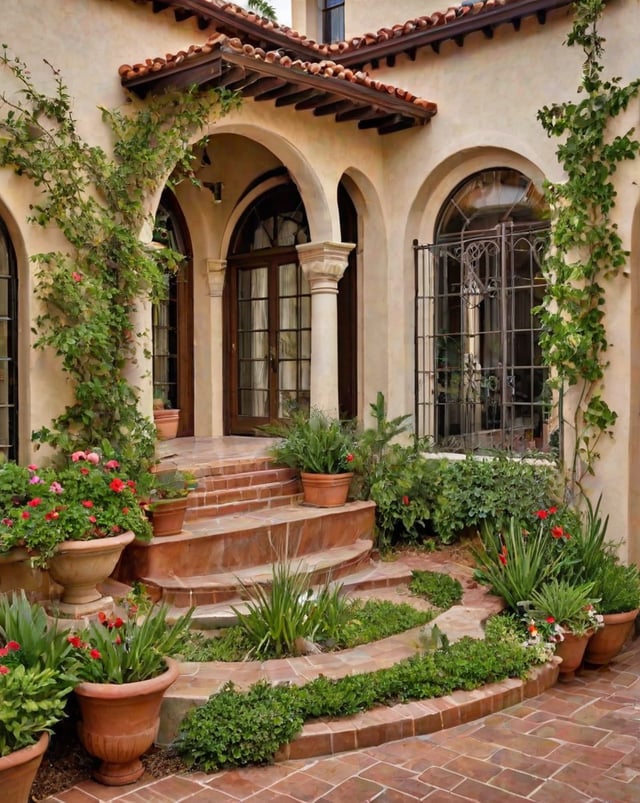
(18, 770)
(571, 650)
(326, 490)
(119, 722)
(167, 422)
(167, 516)
(609, 640)
(79, 566)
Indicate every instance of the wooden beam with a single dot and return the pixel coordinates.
(378, 121)
(402, 124)
(333, 108)
(274, 94)
(296, 96)
(317, 99)
(263, 84)
(357, 113)
(232, 76)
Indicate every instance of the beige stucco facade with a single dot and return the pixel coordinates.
(487, 92)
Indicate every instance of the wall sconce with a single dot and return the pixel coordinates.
(215, 188)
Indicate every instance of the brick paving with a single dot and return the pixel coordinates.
(577, 742)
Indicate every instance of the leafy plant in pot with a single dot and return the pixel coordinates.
(35, 681)
(75, 521)
(321, 449)
(571, 608)
(125, 671)
(169, 499)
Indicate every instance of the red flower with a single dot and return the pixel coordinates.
(557, 532)
(7, 522)
(550, 620)
(125, 510)
(52, 514)
(102, 617)
(553, 510)
(4, 670)
(13, 645)
(84, 471)
(502, 557)
(117, 485)
(87, 503)
(93, 519)
(406, 500)
(117, 640)
(118, 622)
(77, 277)
(95, 654)
(131, 484)
(25, 514)
(34, 502)
(542, 514)
(74, 641)
(349, 458)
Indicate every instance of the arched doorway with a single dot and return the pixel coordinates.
(172, 328)
(267, 304)
(8, 346)
(480, 378)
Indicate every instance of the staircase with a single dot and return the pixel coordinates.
(245, 514)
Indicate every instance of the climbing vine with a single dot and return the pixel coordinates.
(89, 291)
(586, 249)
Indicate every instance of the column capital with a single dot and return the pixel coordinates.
(324, 264)
(216, 269)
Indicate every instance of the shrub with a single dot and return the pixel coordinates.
(440, 589)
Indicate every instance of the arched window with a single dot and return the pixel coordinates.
(480, 381)
(8, 347)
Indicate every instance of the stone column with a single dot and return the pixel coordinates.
(323, 265)
(216, 269)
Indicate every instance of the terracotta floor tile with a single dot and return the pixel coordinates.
(565, 731)
(519, 783)
(483, 792)
(513, 759)
(396, 778)
(353, 789)
(441, 778)
(473, 768)
(554, 792)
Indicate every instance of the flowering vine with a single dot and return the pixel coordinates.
(585, 245)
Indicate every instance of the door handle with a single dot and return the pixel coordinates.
(273, 359)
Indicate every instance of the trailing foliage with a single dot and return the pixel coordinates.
(586, 248)
(236, 728)
(90, 291)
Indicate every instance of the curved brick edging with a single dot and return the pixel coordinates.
(388, 724)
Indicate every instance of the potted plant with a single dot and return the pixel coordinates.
(34, 684)
(125, 671)
(321, 449)
(571, 609)
(75, 521)
(165, 418)
(618, 587)
(168, 500)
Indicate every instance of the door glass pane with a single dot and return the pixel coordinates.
(294, 335)
(253, 342)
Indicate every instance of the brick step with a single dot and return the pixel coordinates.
(224, 502)
(242, 478)
(374, 575)
(235, 542)
(214, 588)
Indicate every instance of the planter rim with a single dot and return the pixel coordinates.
(109, 691)
(620, 615)
(24, 754)
(96, 544)
(324, 474)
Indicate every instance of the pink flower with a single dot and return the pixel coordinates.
(4, 670)
(35, 480)
(93, 457)
(112, 464)
(87, 503)
(93, 519)
(32, 467)
(78, 456)
(7, 522)
(77, 277)
(56, 488)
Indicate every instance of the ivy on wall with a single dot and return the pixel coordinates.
(586, 249)
(90, 291)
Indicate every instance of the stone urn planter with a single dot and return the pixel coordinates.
(609, 640)
(79, 566)
(572, 650)
(18, 770)
(119, 722)
(326, 490)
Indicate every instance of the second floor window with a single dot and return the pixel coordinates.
(332, 20)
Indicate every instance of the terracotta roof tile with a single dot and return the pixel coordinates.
(325, 67)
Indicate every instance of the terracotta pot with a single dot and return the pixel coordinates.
(167, 516)
(79, 566)
(609, 640)
(326, 490)
(18, 770)
(119, 722)
(166, 422)
(571, 650)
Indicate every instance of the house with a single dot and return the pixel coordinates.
(370, 218)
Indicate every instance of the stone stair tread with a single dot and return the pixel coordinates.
(262, 516)
(256, 574)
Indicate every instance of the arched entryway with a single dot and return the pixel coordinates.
(267, 307)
